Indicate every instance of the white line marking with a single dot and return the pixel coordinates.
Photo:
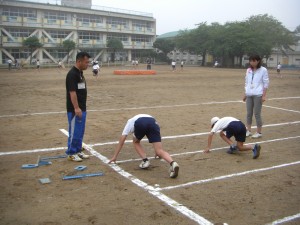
(289, 110)
(214, 149)
(285, 219)
(150, 189)
(142, 107)
(228, 176)
(129, 141)
(33, 151)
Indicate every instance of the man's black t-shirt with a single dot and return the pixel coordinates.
(75, 81)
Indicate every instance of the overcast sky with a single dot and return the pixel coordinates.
(173, 15)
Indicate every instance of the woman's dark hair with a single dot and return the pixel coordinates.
(256, 58)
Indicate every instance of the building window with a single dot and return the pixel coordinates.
(18, 32)
(58, 33)
(53, 16)
(14, 12)
(140, 38)
(120, 37)
(86, 35)
(114, 22)
(87, 19)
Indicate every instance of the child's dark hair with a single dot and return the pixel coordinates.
(256, 58)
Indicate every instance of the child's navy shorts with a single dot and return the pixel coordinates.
(149, 127)
(236, 129)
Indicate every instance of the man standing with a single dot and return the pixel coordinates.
(76, 107)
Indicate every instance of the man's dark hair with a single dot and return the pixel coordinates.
(81, 55)
(256, 58)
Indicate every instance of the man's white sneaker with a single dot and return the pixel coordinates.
(145, 164)
(74, 158)
(257, 135)
(174, 169)
(248, 133)
(82, 155)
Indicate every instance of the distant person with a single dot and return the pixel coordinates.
(145, 125)
(38, 64)
(256, 86)
(173, 65)
(278, 70)
(59, 65)
(96, 69)
(76, 93)
(216, 64)
(17, 66)
(9, 61)
(232, 127)
(149, 62)
(133, 63)
(181, 65)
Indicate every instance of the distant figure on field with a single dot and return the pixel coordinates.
(149, 63)
(232, 127)
(38, 64)
(9, 61)
(181, 65)
(216, 64)
(173, 65)
(145, 125)
(96, 69)
(133, 63)
(278, 70)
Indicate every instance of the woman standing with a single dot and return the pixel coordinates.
(256, 85)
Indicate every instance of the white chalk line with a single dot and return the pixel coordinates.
(285, 219)
(150, 189)
(142, 107)
(289, 110)
(228, 176)
(214, 149)
(129, 141)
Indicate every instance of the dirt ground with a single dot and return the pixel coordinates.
(183, 102)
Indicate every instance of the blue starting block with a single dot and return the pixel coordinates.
(83, 176)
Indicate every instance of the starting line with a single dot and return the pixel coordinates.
(129, 141)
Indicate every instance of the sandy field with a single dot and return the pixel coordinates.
(212, 188)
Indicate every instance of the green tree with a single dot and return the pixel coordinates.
(165, 46)
(114, 44)
(270, 34)
(68, 45)
(32, 43)
(195, 41)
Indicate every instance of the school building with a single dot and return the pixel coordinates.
(89, 26)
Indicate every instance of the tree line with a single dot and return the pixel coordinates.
(259, 34)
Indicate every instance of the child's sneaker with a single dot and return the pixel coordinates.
(82, 155)
(257, 135)
(233, 149)
(144, 164)
(256, 151)
(174, 169)
(74, 158)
